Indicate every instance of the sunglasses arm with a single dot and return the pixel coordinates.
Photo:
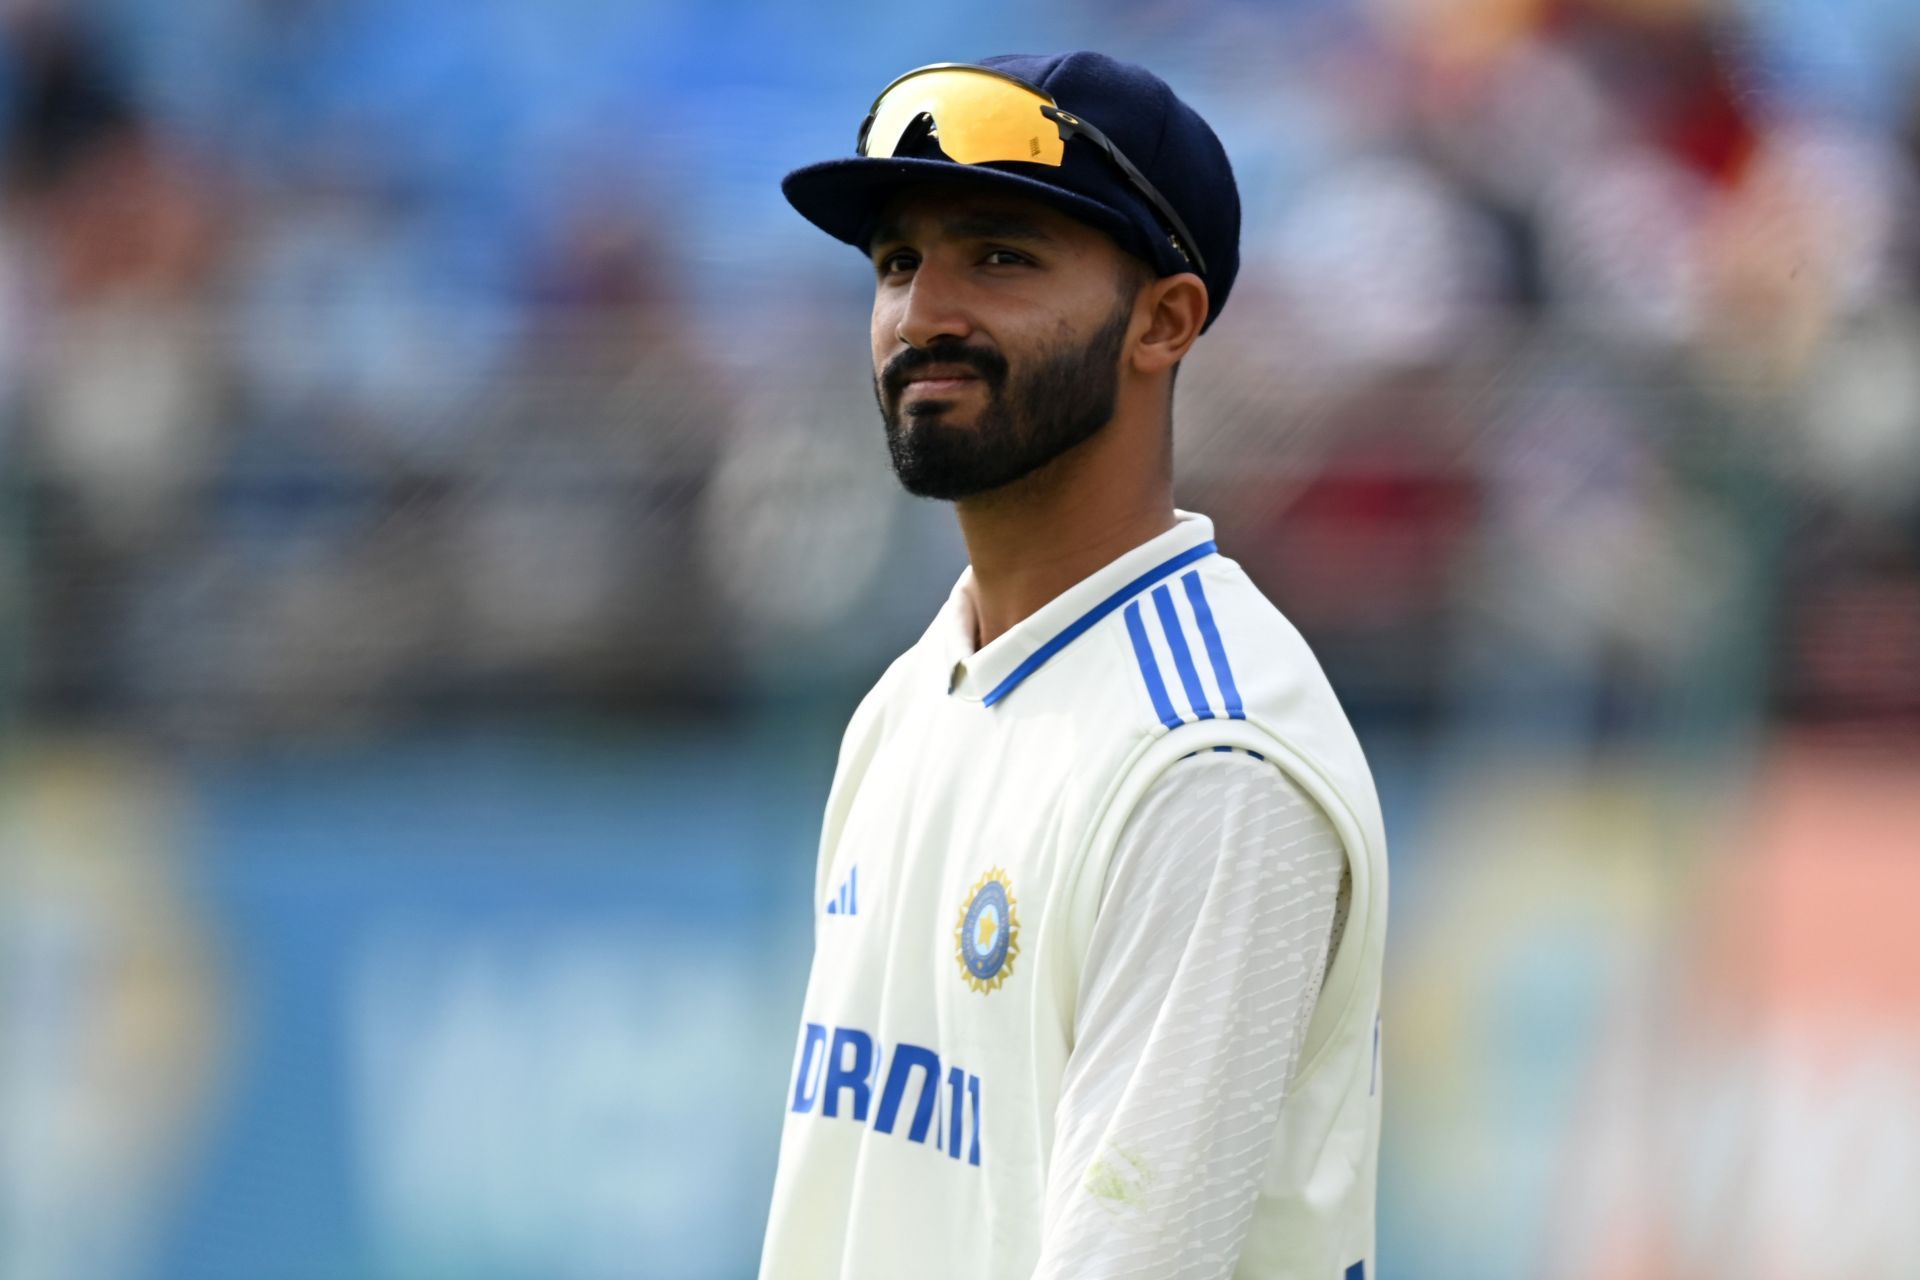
(1183, 243)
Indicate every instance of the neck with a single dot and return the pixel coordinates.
(1031, 540)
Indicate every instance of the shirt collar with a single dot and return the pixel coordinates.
(990, 674)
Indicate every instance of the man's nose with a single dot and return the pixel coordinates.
(934, 310)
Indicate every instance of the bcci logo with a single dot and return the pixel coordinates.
(987, 938)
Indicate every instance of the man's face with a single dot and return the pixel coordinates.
(998, 329)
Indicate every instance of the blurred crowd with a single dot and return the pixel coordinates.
(370, 366)
(1571, 388)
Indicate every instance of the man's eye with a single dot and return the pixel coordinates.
(1006, 258)
(895, 262)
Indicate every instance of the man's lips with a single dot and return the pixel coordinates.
(939, 381)
(932, 385)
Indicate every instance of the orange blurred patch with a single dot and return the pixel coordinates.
(1816, 921)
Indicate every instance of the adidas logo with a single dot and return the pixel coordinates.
(846, 900)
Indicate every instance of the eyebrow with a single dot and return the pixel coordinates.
(977, 225)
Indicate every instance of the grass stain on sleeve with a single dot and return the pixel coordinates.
(1119, 1178)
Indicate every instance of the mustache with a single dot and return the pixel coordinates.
(990, 365)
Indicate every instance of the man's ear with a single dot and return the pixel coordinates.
(1176, 310)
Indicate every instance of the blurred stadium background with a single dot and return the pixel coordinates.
(443, 528)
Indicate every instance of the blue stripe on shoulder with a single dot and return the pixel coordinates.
(1150, 668)
(1182, 656)
(1216, 651)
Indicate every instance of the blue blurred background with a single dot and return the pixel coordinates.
(444, 526)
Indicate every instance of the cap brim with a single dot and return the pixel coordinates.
(844, 198)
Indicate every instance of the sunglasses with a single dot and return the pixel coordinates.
(983, 116)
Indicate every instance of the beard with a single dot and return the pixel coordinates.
(1059, 398)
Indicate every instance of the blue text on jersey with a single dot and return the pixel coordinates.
(839, 1066)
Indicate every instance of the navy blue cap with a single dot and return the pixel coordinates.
(1165, 139)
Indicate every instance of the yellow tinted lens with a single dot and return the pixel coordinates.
(978, 118)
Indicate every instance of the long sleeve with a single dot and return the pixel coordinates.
(1215, 925)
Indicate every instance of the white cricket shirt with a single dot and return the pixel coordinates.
(966, 853)
(1200, 978)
